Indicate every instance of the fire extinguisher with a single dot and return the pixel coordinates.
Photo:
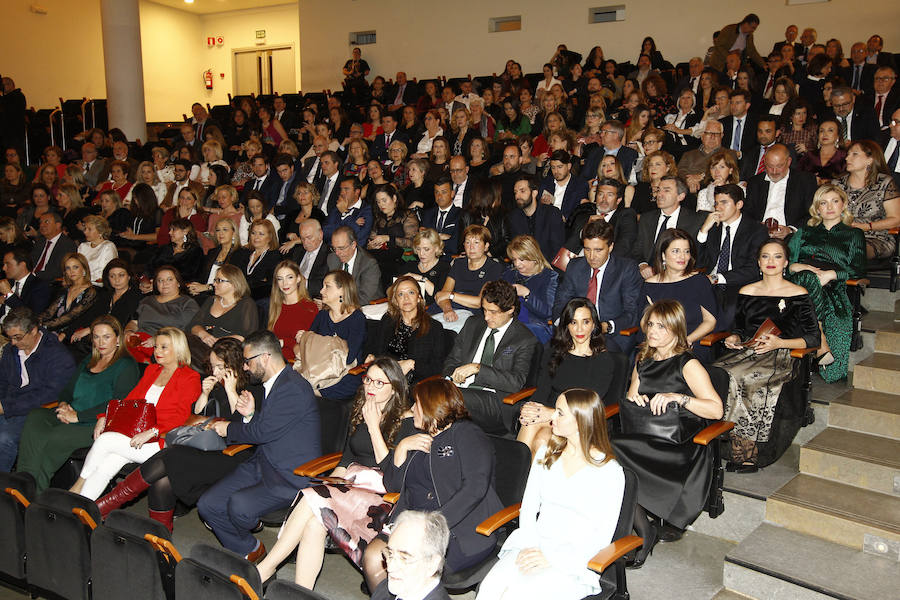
(208, 79)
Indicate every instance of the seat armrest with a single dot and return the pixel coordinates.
(501, 517)
(235, 448)
(894, 231)
(610, 411)
(862, 282)
(359, 369)
(629, 332)
(713, 431)
(17, 495)
(710, 339)
(379, 301)
(614, 552)
(520, 395)
(801, 352)
(317, 466)
(50, 405)
(84, 517)
(392, 497)
(244, 586)
(163, 546)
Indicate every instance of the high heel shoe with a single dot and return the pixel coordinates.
(646, 550)
(823, 360)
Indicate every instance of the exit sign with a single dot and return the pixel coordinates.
(260, 34)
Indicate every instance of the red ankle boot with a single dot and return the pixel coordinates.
(130, 488)
(166, 517)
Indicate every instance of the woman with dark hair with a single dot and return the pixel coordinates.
(393, 230)
(479, 153)
(798, 128)
(810, 87)
(485, 209)
(290, 308)
(77, 304)
(610, 78)
(409, 123)
(438, 159)
(372, 126)
(784, 97)
(578, 358)
(675, 257)
(273, 132)
(673, 474)
(827, 159)
(119, 183)
(13, 189)
(167, 308)
(183, 252)
(657, 97)
(408, 334)
(257, 209)
(648, 47)
(29, 218)
(563, 520)
(257, 260)
(513, 123)
(353, 514)
(433, 130)
(111, 209)
(184, 473)
(458, 483)
(594, 63)
(108, 372)
(763, 364)
(188, 208)
(143, 224)
(654, 167)
(218, 175)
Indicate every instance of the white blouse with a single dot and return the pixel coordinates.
(98, 257)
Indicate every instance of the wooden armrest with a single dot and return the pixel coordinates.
(242, 585)
(614, 552)
(359, 369)
(235, 448)
(610, 411)
(894, 231)
(18, 496)
(520, 395)
(164, 546)
(861, 282)
(317, 466)
(801, 352)
(501, 517)
(716, 336)
(712, 432)
(84, 517)
(629, 332)
(50, 405)
(379, 301)
(392, 497)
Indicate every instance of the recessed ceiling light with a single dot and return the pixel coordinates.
(188, 1)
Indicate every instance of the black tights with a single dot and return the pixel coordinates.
(642, 523)
(160, 497)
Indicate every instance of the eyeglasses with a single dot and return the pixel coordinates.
(402, 558)
(217, 280)
(342, 248)
(885, 78)
(17, 338)
(247, 360)
(376, 383)
(842, 105)
(712, 133)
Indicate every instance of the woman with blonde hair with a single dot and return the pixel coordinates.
(77, 304)
(72, 210)
(290, 308)
(307, 196)
(535, 282)
(97, 248)
(357, 157)
(12, 236)
(229, 206)
(611, 168)
(430, 271)
(146, 173)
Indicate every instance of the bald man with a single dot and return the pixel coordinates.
(780, 196)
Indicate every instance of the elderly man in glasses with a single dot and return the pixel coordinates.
(414, 558)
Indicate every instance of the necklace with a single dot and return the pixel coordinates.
(223, 305)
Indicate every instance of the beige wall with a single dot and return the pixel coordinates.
(451, 38)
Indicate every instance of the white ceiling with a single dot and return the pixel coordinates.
(205, 7)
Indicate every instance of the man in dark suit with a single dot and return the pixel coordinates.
(285, 204)
(21, 287)
(312, 255)
(891, 146)
(669, 214)
(740, 127)
(780, 193)
(541, 221)
(511, 163)
(50, 248)
(286, 434)
(350, 211)
(855, 122)
(448, 96)
(265, 181)
(562, 188)
(860, 75)
(611, 135)
(790, 37)
(330, 189)
(444, 216)
(607, 205)
(311, 170)
(403, 93)
(752, 162)
(492, 358)
(383, 140)
(765, 81)
(288, 119)
(728, 244)
(182, 171)
(421, 537)
(362, 267)
(875, 55)
(691, 81)
(613, 283)
(884, 98)
(463, 186)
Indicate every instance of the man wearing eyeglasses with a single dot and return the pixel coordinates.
(855, 122)
(414, 558)
(885, 96)
(611, 135)
(892, 146)
(693, 163)
(286, 433)
(348, 256)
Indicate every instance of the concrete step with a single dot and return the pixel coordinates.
(729, 595)
(882, 300)
(878, 373)
(774, 562)
(869, 412)
(888, 341)
(835, 511)
(866, 461)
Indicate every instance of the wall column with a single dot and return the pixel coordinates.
(121, 25)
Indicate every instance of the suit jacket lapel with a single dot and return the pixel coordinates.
(477, 340)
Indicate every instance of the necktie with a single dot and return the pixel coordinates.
(843, 126)
(878, 104)
(892, 161)
(593, 284)
(346, 267)
(856, 76)
(257, 185)
(769, 83)
(487, 355)
(694, 84)
(16, 288)
(761, 166)
(736, 139)
(325, 191)
(665, 224)
(440, 223)
(40, 265)
(725, 252)
(387, 140)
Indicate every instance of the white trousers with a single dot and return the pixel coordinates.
(110, 452)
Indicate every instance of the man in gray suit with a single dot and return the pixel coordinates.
(347, 256)
(492, 358)
(90, 164)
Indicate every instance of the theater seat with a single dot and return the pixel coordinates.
(17, 490)
(213, 573)
(284, 590)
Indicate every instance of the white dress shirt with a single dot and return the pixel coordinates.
(479, 350)
(559, 191)
(775, 200)
(460, 192)
(23, 357)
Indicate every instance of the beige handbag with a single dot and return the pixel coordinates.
(321, 360)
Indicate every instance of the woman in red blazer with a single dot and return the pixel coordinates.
(172, 386)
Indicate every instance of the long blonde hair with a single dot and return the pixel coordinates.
(587, 407)
(276, 299)
(828, 188)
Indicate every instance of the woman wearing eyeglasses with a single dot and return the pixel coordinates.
(353, 514)
(229, 312)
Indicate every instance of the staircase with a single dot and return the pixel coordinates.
(833, 529)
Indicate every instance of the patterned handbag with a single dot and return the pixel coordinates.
(130, 417)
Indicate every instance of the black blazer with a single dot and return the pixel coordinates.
(188, 262)
(319, 268)
(307, 167)
(271, 185)
(863, 125)
(35, 294)
(798, 197)
(450, 226)
(260, 280)
(750, 161)
(688, 220)
(867, 79)
(576, 191)
(745, 243)
(627, 157)
(383, 593)
(624, 223)
(53, 265)
(548, 227)
(329, 204)
(891, 103)
(748, 133)
(427, 350)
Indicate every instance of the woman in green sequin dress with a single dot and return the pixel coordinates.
(824, 255)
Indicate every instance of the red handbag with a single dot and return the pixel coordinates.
(130, 417)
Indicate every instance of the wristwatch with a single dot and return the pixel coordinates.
(452, 295)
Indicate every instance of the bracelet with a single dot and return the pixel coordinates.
(870, 227)
(684, 400)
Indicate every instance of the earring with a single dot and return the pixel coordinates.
(664, 264)
(184, 241)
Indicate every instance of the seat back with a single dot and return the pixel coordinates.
(620, 376)
(614, 578)
(12, 522)
(206, 575)
(334, 418)
(118, 546)
(284, 590)
(513, 462)
(537, 360)
(58, 543)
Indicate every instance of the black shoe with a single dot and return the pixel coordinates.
(747, 468)
(670, 533)
(640, 557)
(258, 528)
(731, 466)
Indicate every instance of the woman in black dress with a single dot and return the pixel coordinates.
(430, 271)
(257, 261)
(578, 359)
(667, 384)
(184, 473)
(183, 252)
(393, 230)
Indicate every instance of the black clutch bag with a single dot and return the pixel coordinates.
(676, 426)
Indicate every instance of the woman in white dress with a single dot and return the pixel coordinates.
(97, 248)
(569, 511)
